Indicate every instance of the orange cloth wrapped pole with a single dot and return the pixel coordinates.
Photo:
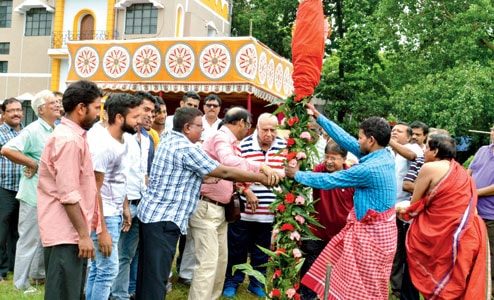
(308, 48)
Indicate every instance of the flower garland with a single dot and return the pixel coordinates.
(293, 207)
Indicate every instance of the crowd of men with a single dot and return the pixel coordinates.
(122, 187)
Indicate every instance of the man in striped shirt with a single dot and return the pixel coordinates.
(173, 192)
(256, 223)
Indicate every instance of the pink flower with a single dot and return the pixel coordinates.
(290, 293)
(300, 200)
(295, 236)
(297, 253)
(300, 219)
(292, 163)
(301, 155)
(305, 135)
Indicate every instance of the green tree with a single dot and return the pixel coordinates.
(272, 22)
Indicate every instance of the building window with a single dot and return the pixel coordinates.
(4, 66)
(5, 13)
(4, 48)
(38, 22)
(141, 19)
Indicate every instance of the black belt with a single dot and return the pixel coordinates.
(204, 198)
(135, 201)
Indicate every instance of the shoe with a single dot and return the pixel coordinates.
(229, 292)
(184, 281)
(256, 290)
(169, 287)
(30, 290)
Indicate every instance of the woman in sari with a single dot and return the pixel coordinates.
(447, 242)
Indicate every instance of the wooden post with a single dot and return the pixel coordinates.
(249, 103)
(326, 282)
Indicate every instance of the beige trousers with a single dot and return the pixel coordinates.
(209, 231)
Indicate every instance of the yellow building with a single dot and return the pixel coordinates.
(34, 33)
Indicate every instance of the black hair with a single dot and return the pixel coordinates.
(378, 128)
(83, 91)
(120, 103)
(8, 101)
(333, 147)
(421, 125)
(444, 144)
(192, 95)
(409, 129)
(212, 97)
(157, 104)
(144, 95)
(184, 115)
(236, 114)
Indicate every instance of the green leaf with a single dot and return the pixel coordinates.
(248, 270)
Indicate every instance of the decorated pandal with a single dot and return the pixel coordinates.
(241, 69)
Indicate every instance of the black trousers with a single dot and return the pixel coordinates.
(157, 245)
(243, 239)
(65, 272)
(399, 261)
(9, 218)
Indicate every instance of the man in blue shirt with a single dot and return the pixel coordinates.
(361, 255)
(10, 175)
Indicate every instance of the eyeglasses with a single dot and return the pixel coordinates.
(14, 110)
(211, 105)
(198, 125)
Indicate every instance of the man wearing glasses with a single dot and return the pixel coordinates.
(210, 124)
(210, 120)
(10, 175)
(207, 224)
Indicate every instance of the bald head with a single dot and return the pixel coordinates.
(266, 130)
(267, 118)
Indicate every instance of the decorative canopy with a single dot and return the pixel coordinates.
(219, 65)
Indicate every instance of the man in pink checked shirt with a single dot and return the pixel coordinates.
(207, 224)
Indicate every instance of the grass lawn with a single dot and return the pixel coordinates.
(179, 292)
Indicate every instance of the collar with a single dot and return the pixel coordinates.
(6, 126)
(376, 153)
(74, 126)
(45, 125)
(144, 132)
(229, 134)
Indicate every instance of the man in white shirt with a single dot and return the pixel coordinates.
(108, 159)
(189, 99)
(210, 119)
(405, 154)
(139, 158)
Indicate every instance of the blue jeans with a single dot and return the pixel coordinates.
(104, 270)
(127, 248)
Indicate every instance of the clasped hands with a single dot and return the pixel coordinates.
(272, 177)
